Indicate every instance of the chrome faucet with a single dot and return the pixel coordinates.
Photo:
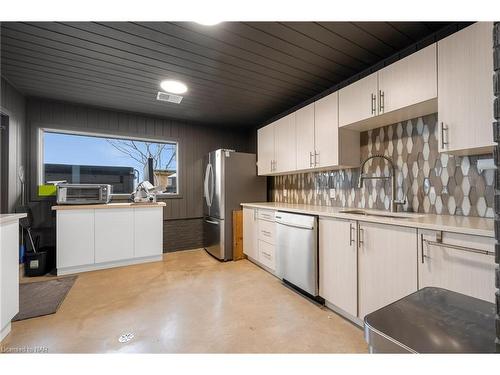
(394, 202)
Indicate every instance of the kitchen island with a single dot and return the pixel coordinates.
(9, 270)
(99, 236)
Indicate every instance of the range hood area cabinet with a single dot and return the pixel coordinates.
(400, 91)
(308, 139)
(465, 103)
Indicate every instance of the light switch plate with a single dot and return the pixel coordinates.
(332, 193)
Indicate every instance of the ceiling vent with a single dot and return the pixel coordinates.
(166, 97)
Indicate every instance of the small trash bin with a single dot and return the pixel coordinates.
(35, 264)
(51, 257)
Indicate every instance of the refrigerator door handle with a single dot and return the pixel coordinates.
(205, 185)
(212, 184)
(211, 222)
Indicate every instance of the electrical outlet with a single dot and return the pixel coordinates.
(284, 193)
(332, 193)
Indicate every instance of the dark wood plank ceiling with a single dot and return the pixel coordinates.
(238, 73)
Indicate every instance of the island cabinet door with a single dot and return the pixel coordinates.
(75, 238)
(387, 265)
(338, 282)
(148, 231)
(114, 234)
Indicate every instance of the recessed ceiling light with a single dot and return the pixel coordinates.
(208, 23)
(175, 87)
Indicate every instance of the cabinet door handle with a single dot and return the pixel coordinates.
(361, 234)
(422, 248)
(351, 238)
(374, 104)
(381, 101)
(316, 157)
(443, 129)
(310, 159)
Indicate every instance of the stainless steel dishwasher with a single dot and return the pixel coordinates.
(297, 242)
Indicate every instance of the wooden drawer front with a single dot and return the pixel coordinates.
(266, 215)
(267, 254)
(267, 231)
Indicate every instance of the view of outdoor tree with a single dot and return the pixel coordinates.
(163, 154)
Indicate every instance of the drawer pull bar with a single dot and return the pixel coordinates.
(461, 248)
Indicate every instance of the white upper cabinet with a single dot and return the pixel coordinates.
(265, 150)
(304, 122)
(358, 101)
(327, 131)
(465, 103)
(409, 81)
(334, 147)
(307, 139)
(285, 144)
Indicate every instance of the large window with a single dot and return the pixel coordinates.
(120, 162)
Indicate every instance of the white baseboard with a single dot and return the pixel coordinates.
(105, 265)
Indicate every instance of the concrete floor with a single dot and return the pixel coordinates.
(188, 303)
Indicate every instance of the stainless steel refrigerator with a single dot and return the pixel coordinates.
(230, 179)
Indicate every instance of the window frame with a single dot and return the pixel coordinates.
(40, 154)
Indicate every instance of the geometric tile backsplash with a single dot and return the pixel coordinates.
(430, 182)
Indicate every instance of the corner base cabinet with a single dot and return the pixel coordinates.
(91, 238)
(458, 262)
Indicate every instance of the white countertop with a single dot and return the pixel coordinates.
(105, 206)
(459, 224)
(8, 218)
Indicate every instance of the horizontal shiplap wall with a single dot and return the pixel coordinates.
(13, 104)
(195, 141)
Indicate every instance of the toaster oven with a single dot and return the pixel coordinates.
(83, 193)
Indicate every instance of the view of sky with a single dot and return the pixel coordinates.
(85, 150)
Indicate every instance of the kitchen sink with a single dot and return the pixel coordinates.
(399, 215)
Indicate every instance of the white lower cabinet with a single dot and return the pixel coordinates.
(9, 275)
(150, 221)
(338, 271)
(75, 238)
(89, 239)
(457, 262)
(250, 233)
(259, 236)
(114, 235)
(267, 255)
(387, 265)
